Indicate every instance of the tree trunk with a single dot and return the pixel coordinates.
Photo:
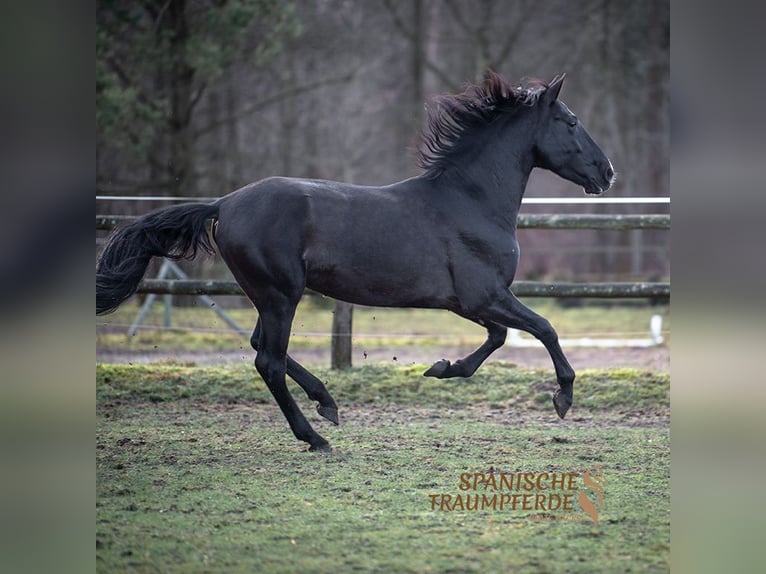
(181, 84)
(234, 177)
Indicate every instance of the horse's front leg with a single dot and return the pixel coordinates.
(467, 366)
(510, 312)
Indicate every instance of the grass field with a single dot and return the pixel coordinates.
(197, 471)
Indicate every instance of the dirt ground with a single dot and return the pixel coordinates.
(651, 358)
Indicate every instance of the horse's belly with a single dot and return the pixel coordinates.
(382, 283)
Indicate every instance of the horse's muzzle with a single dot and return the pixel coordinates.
(598, 186)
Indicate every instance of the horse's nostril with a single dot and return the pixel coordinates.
(609, 173)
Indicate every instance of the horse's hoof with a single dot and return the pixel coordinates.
(561, 403)
(438, 369)
(320, 447)
(329, 413)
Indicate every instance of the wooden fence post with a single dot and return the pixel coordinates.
(340, 345)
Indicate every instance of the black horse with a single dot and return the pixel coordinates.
(445, 239)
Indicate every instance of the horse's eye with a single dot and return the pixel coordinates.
(572, 122)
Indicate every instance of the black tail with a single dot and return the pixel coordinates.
(176, 232)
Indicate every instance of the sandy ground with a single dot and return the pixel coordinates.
(652, 358)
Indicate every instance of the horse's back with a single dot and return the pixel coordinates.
(369, 245)
(278, 208)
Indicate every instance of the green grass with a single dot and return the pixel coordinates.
(389, 327)
(198, 472)
(499, 384)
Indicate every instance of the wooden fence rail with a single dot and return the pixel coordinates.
(525, 221)
(520, 288)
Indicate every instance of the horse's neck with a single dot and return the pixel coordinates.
(496, 178)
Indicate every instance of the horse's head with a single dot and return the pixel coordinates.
(565, 148)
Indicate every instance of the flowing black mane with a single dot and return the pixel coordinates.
(452, 116)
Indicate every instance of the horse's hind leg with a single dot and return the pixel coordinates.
(511, 312)
(276, 314)
(466, 367)
(315, 389)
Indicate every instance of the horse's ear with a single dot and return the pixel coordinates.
(552, 93)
